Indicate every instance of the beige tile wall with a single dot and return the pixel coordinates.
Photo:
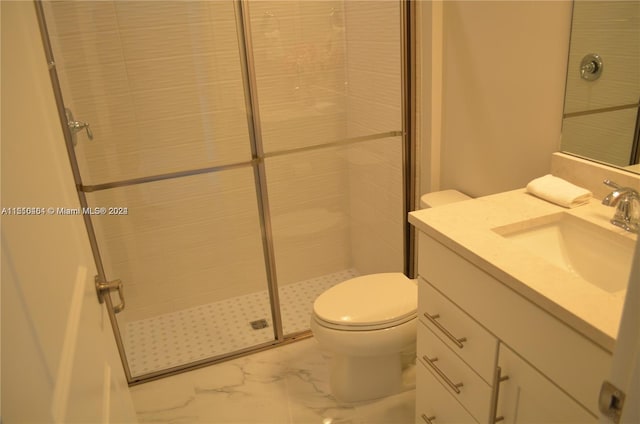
(309, 211)
(214, 249)
(299, 65)
(299, 53)
(374, 106)
(376, 206)
(157, 82)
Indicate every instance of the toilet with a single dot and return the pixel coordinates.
(367, 324)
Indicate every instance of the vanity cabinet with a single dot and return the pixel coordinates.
(486, 351)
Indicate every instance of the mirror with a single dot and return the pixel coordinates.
(601, 118)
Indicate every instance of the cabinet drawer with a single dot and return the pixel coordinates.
(451, 324)
(434, 402)
(474, 394)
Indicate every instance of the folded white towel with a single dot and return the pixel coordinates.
(559, 191)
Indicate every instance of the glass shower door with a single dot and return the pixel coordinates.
(161, 88)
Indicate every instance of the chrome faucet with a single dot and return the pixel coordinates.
(627, 202)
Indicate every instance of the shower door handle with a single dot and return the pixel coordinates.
(77, 126)
(104, 288)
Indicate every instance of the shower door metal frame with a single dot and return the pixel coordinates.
(243, 29)
(252, 107)
(408, 51)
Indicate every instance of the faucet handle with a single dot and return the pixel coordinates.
(612, 198)
(612, 184)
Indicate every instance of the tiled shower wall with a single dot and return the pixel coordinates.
(155, 87)
(159, 85)
(185, 241)
(374, 106)
(612, 30)
(299, 52)
(159, 82)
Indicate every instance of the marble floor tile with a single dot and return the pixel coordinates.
(285, 385)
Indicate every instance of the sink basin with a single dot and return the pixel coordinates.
(596, 254)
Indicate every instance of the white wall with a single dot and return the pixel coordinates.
(504, 69)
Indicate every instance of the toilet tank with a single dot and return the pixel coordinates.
(439, 198)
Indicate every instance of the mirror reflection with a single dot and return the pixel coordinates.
(601, 115)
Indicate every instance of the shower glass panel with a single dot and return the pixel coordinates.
(329, 72)
(299, 50)
(336, 213)
(191, 254)
(326, 70)
(157, 81)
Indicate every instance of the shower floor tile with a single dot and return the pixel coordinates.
(217, 328)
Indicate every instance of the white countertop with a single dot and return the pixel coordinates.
(466, 228)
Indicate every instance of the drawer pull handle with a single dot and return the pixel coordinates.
(454, 386)
(428, 420)
(497, 379)
(434, 320)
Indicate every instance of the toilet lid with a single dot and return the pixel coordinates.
(369, 300)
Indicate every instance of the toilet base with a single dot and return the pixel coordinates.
(360, 378)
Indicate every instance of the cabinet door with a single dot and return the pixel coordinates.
(529, 397)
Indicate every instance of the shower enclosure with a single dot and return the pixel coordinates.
(238, 158)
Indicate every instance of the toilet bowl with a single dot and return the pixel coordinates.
(366, 323)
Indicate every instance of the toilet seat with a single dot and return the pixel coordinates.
(369, 302)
